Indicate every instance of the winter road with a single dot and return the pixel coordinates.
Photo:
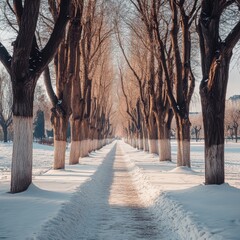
(124, 215)
(107, 207)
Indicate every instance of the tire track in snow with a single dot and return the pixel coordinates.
(106, 207)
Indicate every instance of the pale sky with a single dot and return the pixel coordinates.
(233, 82)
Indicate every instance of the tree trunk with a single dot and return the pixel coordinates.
(25, 68)
(236, 133)
(153, 137)
(140, 140)
(196, 133)
(183, 140)
(163, 141)
(83, 152)
(134, 140)
(21, 173)
(60, 141)
(75, 151)
(152, 141)
(213, 109)
(145, 139)
(216, 54)
(84, 137)
(5, 133)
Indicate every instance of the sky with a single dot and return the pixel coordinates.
(233, 88)
(234, 82)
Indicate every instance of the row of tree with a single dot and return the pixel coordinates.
(70, 43)
(42, 129)
(160, 56)
(76, 35)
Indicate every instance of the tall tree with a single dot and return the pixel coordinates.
(77, 105)
(66, 63)
(95, 32)
(5, 104)
(175, 63)
(216, 54)
(142, 65)
(25, 66)
(134, 113)
(233, 120)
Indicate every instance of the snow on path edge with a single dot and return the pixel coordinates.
(170, 213)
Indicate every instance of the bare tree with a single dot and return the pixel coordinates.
(176, 81)
(180, 94)
(96, 31)
(216, 54)
(102, 99)
(133, 112)
(196, 125)
(74, 69)
(5, 104)
(42, 106)
(141, 62)
(25, 66)
(66, 63)
(232, 120)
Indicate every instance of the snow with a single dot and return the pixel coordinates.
(119, 192)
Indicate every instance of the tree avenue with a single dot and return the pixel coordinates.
(166, 32)
(113, 70)
(25, 66)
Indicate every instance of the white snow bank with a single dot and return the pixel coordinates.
(182, 204)
(180, 200)
(76, 216)
(216, 207)
(24, 214)
(184, 170)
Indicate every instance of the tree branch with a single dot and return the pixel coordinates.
(18, 9)
(57, 35)
(5, 58)
(232, 38)
(126, 99)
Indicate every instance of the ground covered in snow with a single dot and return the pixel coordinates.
(119, 192)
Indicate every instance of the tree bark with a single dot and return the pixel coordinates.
(75, 31)
(60, 136)
(152, 141)
(215, 57)
(84, 138)
(75, 151)
(25, 67)
(183, 140)
(140, 140)
(5, 133)
(213, 109)
(236, 131)
(163, 141)
(21, 172)
(152, 136)
(145, 138)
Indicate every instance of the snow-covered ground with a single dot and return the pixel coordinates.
(119, 192)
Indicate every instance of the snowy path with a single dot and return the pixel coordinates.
(119, 192)
(124, 215)
(107, 208)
